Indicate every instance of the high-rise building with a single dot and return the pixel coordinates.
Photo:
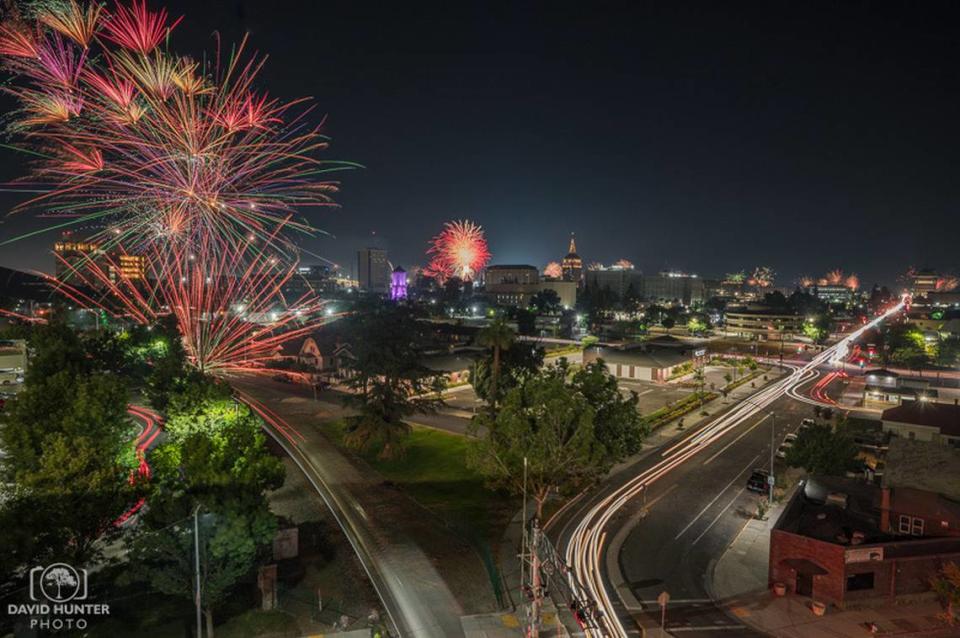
(673, 287)
(373, 270)
(572, 265)
(624, 282)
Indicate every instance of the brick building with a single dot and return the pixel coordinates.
(840, 541)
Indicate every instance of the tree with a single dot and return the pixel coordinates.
(696, 325)
(948, 351)
(946, 584)
(549, 426)
(546, 302)
(215, 459)
(821, 450)
(497, 336)
(668, 322)
(387, 380)
(522, 359)
(617, 423)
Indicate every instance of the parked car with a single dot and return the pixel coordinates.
(790, 438)
(807, 423)
(782, 450)
(758, 481)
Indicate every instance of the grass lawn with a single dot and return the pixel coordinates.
(434, 472)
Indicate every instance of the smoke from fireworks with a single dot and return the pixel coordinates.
(460, 250)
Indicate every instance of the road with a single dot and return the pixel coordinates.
(415, 596)
(718, 454)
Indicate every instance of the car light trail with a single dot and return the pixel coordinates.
(585, 549)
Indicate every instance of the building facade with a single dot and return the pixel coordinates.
(572, 265)
(373, 270)
(762, 322)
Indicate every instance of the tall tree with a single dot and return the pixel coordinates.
(549, 426)
(617, 423)
(820, 449)
(215, 459)
(522, 359)
(497, 336)
(387, 379)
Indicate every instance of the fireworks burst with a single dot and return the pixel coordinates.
(762, 277)
(806, 281)
(553, 270)
(181, 151)
(947, 283)
(460, 250)
(185, 165)
(623, 264)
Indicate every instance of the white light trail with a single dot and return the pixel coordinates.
(585, 549)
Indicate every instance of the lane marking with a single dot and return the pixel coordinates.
(716, 498)
(743, 434)
(671, 630)
(722, 512)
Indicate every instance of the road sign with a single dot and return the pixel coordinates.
(771, 480)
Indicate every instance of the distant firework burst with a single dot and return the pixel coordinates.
(623, 264)
(460, 250)
(762, 277)
(553, 270)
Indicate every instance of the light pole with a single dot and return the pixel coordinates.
(773, 436)
(196, 564)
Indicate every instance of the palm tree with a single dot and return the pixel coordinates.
(499, 336)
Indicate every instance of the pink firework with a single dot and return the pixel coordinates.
(947, 283)
(852, 281)
(460, 250)
(623, 264)
(553, 270)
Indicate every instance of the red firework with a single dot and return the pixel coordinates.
(553, 270)
(460, 250)
(184, 165)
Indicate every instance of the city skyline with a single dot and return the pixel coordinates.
(651, 136)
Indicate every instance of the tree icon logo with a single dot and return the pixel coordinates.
(58, 583)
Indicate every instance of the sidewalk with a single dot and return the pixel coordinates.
(738, 583)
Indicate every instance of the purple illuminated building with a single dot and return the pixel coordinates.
(398, 284)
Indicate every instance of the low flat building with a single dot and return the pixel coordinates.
(643, 363)
(924, 421)
(842, 542)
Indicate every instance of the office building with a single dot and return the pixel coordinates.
(373, 270)
(624, 282)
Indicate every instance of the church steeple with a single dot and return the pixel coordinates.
(572, 264)
(573, 246)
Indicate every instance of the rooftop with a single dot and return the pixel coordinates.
(832, 509)
(923, 465)
(944, 416)
(655, 358)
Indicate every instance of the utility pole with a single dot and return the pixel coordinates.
(773, 436)
(523, 530)
(196, 565)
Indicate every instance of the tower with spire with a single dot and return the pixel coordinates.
(572, 265)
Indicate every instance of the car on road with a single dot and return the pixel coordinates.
(782, 450)
(758, 481)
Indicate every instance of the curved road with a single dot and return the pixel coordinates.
(610, 517)
(417, 601)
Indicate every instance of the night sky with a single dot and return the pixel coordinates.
(689, 135)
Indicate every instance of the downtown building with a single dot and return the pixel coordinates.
(373, 270)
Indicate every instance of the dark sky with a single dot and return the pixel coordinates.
(707, 136)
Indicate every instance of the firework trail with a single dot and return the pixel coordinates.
(460, 250)
(185, 164)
